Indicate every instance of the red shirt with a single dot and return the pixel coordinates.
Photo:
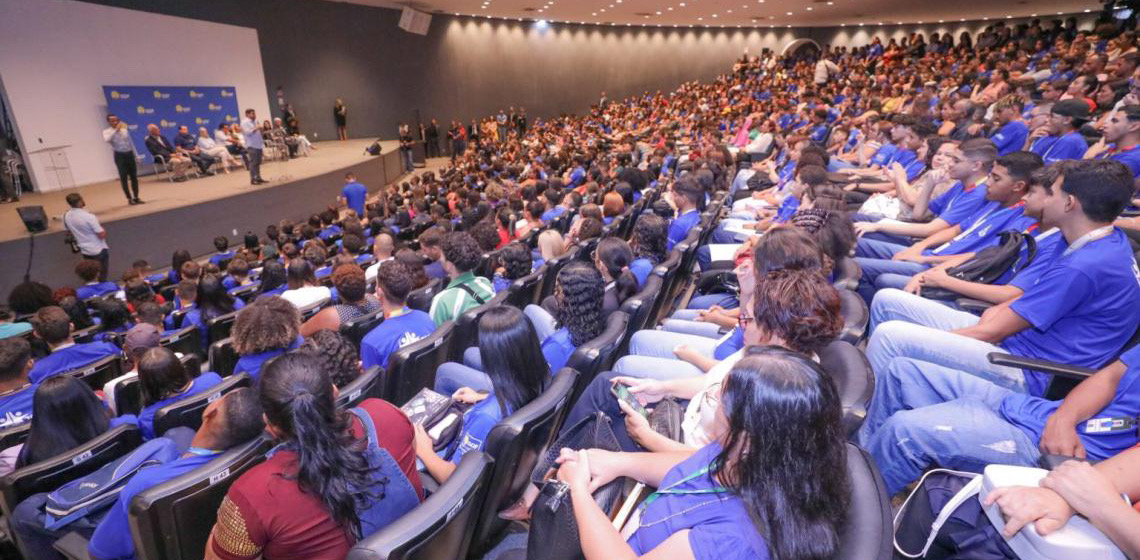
(286, 523)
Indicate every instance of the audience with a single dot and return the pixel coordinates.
(163, 380)
(348, 279)
(53, 327)
(461, 255)
(265, 329)
(401, 325)
(15, 391)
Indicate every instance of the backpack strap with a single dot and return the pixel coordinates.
(968, 491)
(472, 293)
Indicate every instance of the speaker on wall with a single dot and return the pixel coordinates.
(34, 218)
(414, 21)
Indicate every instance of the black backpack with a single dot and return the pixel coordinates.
(374, 149)
(990, 263)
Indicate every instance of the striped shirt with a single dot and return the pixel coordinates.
(453, 301)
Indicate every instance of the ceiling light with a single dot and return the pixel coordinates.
(809, 8)
(789, 13)
(541, 24)
(860, 25)
(843, 25)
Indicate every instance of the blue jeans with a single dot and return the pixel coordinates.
(721, 235)
(874, 268)
(450, 377)
(651, 355)
(897, 305)
(899, 339)
(691, 326)
(406, 157)
(543, 322)
(875, 249)
(726, 301)
(925, 415)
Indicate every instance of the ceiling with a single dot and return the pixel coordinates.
(746, 13)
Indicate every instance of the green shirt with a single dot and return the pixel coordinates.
(453, 301)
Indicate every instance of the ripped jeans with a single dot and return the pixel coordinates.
(925, 415)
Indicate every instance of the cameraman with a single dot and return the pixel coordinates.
(88, 233)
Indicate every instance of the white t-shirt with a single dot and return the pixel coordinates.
(85, 227)
(698, 418)
(306, 296)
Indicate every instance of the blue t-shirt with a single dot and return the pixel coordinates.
(16, 407)
(557, 349)
(223, 256)
(477, 424)
(553, 213)
(819, 133)
(88, 291)
(355, 193)
(194, 318)
(959, 202)
(883, 154)
(112, 537)
(680, 227)
(719, 525)
(251, 364)
(1031, 413)
(72, 357)
(1050, 244)
(329, 232)
(1010, 137)
(981, 230)
(1081, 310)
(787, 208)
(641, 269)
(1129, 157)
(1069, 146)
(392, 334)
(729, 344)
(201, 383)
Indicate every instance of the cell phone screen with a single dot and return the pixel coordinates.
(622, 393)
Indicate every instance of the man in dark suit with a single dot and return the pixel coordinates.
(431, 139)
(163, 150)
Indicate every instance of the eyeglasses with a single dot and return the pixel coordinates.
(742, 320)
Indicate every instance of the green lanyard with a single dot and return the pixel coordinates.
(670, 490)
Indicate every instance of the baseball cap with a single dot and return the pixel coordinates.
(140, 338)
(1073, 108)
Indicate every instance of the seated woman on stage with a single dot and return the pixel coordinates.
(212, 148)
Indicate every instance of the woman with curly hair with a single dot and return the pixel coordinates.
(264, 329)
(336, 353)
(355, 302)
(577, 316)
(650, 233)
(516, 263)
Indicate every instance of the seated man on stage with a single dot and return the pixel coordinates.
(165, 152)
(187, 143)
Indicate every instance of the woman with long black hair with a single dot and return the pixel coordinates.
(163, 380)
(648, 244)
(335, 477)
(513, 362)
(612, 257)
(772, 483)
(213, 301)
(66, 413)
(273, 280)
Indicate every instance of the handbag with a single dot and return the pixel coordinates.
(553, 528)
(666, 418)
(442, 417)
(989, 264)
(942, 519)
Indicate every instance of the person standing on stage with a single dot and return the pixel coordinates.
(253, 144)
(125, 160)
(406, 143)
(340, 115)
(88, 233)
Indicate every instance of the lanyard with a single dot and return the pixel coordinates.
(398, 312)
(1088, 238)
(672, 488)
(202, 452)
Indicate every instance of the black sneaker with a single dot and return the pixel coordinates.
(140, 201)
(132, 202)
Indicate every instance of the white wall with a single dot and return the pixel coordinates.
(55, 56)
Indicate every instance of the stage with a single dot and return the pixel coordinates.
(189, 214)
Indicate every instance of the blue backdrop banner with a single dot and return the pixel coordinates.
(170, 107)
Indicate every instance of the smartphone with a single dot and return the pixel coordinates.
(622, 393)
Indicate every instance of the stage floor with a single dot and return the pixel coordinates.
(106, 199)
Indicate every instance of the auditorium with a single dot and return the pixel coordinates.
(569, 280)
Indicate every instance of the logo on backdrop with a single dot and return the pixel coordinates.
(169, 107)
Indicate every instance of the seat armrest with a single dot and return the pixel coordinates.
(975, 306)
(1049, 461)
(73, 546)
(1043, 366)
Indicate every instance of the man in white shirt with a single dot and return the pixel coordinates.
(88, 233)
(823, 71)
(253, 144)
(125, 161)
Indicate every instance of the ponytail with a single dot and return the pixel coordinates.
(615, 255)
(296, 395)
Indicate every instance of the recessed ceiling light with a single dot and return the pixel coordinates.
(1087, 10)
(789, 13)
(700, 19)
(843, 25)
(939, 21)
(860, 25)
(809, 8)
(728, 11)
